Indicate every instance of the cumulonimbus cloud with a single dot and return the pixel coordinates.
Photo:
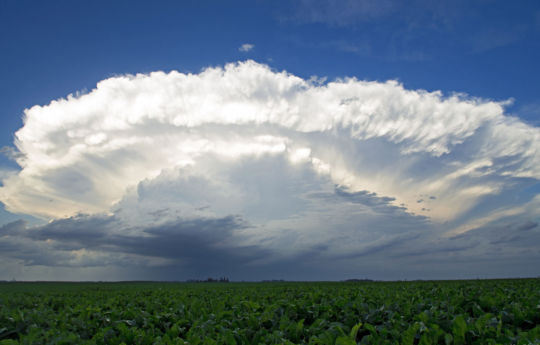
(430, 154)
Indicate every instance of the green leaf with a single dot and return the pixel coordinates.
(9, 342)
(299, 327)
(448, 339)
(370, 328)
(354, 331)
(410, 334)
(459, 328)
(425, 340)
(342, 340)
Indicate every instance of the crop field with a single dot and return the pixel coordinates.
(445, 312)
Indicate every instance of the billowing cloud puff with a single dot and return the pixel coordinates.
(84, 153)
(261, 170)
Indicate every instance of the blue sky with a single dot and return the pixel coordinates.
(291, 175)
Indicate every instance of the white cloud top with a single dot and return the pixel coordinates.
(433, 155)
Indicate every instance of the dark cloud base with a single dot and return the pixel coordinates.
(207, 247)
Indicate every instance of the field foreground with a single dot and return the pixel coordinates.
(444, 312)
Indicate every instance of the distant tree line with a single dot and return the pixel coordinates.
(209, 280)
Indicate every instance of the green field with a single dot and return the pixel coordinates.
(449, 312)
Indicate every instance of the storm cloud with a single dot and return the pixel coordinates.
(241, 167)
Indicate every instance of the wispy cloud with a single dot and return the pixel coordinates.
(415, 30)
(527, 209)
(246, 47)
(343, 12)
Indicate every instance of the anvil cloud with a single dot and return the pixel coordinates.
(292, 166)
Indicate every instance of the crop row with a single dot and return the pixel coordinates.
(452, 312)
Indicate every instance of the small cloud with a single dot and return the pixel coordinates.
(246, 47)
(10, 152)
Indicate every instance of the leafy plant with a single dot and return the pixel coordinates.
(409, 313)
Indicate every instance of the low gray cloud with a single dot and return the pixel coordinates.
(190, 248)
(185, 240)
(12, 228)
(197, 246)
(202, 247)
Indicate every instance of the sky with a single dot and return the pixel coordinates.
(297, 140)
